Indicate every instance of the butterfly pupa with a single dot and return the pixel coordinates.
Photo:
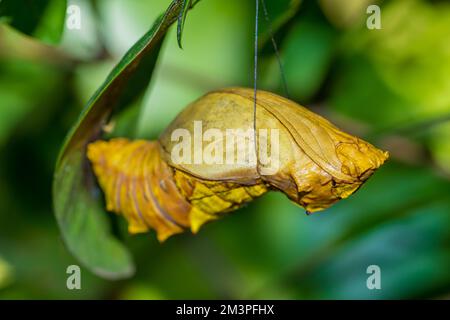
(317, 164)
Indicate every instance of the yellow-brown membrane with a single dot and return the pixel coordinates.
(319, 165)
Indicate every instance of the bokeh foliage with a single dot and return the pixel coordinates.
(390, 86)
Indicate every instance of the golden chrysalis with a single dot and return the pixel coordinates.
(317, 164)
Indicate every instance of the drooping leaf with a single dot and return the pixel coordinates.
(79, 214)
(181, 21)
(187, 4)
(41, 19)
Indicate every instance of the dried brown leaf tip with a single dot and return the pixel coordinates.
(213, 158)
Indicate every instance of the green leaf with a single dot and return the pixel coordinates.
(80, 216)
(181, 20)
(41, 19)
(187, 4)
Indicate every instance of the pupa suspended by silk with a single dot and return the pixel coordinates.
(317, 164)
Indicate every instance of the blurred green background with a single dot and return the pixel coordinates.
(389, 86)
